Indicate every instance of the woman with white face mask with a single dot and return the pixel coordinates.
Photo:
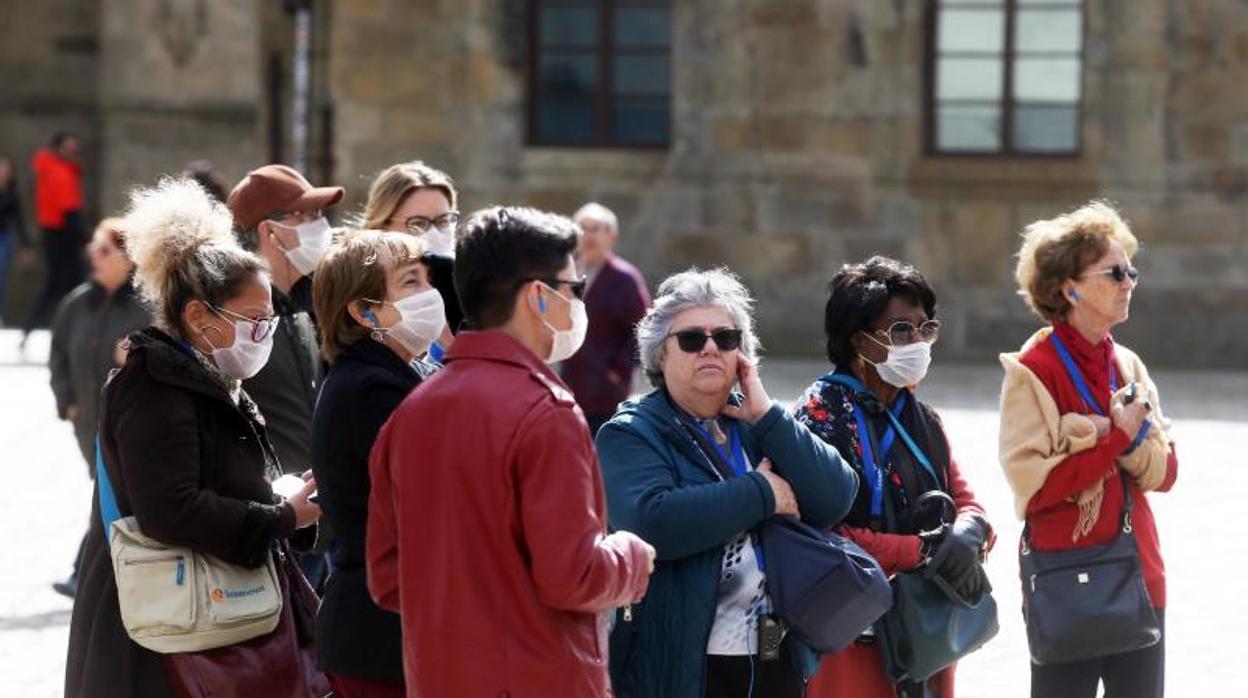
(184, 448)
(420, 200)
(880, 326)
(379, 315)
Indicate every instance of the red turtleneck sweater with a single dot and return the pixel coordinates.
(1052, 512)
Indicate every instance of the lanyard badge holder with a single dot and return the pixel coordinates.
(771, 629)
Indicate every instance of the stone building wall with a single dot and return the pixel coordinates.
(797, 147)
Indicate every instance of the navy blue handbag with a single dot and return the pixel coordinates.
(823, 586)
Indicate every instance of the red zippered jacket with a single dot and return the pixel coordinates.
(58, 188)
(1051, 513)
(487, 531)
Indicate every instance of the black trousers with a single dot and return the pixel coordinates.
(731, 677)
(63, 257)
(1138, 674)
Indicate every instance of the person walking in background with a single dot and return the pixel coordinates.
(880, 324)
(205, 176)
(695, 467)
(415, 198)
(184, 447)
(13, 238)
(378, 314)
(1069, 431)
(279, 215)
(486, 521)
(58, 213)
(86, 335)
(601, 373)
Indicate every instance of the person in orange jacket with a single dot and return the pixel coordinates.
(58, 213)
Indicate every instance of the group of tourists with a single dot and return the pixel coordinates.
(482, 506)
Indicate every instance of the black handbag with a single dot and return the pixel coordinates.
(930, 626)
(823, 586)
(1089, 602)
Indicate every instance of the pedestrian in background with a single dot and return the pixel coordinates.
(601, 373)
(378, 313)
(1063, 448)
(880, 322)
(487, 526)
(416, 198)
(695, 467)
(58, 213)
(87, 331)
(183, 446)
(13, 238)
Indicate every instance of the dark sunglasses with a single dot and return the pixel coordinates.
(1118, 273)
(692, 340)
(577, 286)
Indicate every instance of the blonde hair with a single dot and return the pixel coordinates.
(356, 268)
(394, 184)
(1062, 248)
(183, 247)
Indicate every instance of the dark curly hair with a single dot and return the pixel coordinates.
(859, 293)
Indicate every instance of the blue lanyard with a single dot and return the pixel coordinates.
(871, 468)
(1076, 376)
(740, 466)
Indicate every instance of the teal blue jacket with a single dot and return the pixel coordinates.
(661, 486)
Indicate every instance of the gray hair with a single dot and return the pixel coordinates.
(596, 211)
(690, 289)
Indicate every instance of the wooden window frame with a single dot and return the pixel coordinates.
(1008, 102)
(606, 54)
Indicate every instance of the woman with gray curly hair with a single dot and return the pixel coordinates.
(1083, 439)
(694, 468)
(182, 449)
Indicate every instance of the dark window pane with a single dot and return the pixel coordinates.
(968, 127)
(969, 78)
(636, 27)
(1046, 128)
(978, 30)
(642, 74)
(567, 75)
(565, 121)
(569, 26)
(641, 120)
(1048, 30)
(1046, 79)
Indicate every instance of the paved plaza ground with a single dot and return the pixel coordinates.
(46, 500)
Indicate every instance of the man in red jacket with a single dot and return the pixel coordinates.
(487, 526)
(58, 212)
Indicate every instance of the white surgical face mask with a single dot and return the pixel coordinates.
(440, 241)
(568, 341)
(314, 240)
(906, 364)
(245, 357)
(421, 319)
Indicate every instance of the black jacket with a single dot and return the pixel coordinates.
(85, 330)
(193, 467)
(285, 389)
(354, 636)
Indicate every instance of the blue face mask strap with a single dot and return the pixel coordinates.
(108, 500)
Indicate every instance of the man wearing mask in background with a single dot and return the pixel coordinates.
(504, 564)
(278, 214)
(601, 373)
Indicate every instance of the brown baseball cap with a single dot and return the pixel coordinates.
(276, 189)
